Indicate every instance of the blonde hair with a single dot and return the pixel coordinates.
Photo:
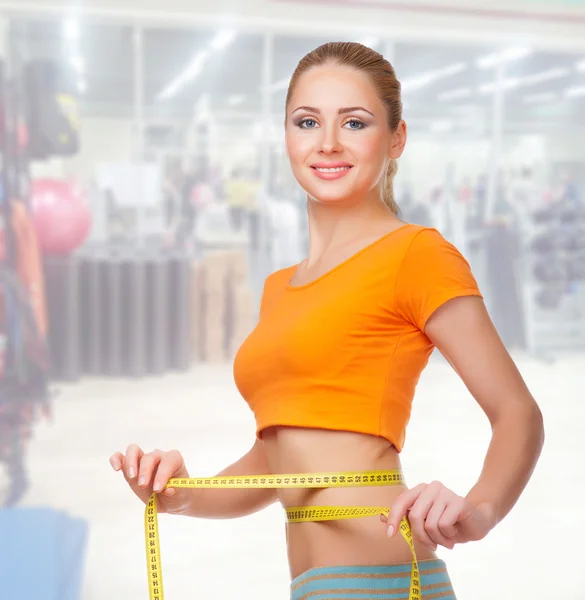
(383, 77)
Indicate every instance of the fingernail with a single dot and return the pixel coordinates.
(142, 481)
(131, 473)
(390, 531)
(157, 487)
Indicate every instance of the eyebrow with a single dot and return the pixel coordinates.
(341, 111)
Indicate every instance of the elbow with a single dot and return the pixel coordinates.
(531, 419)
(538, 424)
(526, 420)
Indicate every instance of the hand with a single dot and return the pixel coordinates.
(439, 516)
(148, 473)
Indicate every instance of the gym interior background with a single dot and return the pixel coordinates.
(145, 196)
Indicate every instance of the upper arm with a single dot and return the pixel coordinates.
(464, 333)
(437, 293)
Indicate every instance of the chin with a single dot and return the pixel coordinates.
(329, 194)
(328, 198)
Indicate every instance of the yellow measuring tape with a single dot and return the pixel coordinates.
(298, 514)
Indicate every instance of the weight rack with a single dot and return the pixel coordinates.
(553, 282)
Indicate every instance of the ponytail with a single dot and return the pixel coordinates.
(388, 186)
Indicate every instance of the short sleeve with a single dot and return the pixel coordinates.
(433, 271)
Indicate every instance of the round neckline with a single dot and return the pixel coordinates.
(291, 287)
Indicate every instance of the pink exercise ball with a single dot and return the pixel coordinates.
(61, 216)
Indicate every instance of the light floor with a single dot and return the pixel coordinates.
(534, 554)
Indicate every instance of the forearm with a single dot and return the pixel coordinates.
(234, 503)
(516, 444)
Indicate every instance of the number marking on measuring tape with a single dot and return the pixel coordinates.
(298, 514)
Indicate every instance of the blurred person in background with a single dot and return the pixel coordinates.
(503, 244)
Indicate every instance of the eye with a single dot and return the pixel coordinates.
(355, 124)
(307, 123)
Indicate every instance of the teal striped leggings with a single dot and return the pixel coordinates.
(387, 582)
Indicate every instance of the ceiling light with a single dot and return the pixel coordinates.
(71, 29)
(202, 108)
(279, 85)
(506, 84)
(77, 62)
(455, 94)
(192, 70)
(573, 92)
(432, 76)
(223, 39)
(506, 56)
(538, 98)
(544, 76)
(236, 99)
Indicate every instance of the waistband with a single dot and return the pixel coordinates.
(386, 582)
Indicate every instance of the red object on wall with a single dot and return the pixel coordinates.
(61, 217)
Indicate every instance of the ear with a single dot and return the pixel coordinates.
(397, 141)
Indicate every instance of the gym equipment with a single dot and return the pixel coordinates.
(62, 219)
(134, 315)
(549, 298)
(552, 270)
(159, 304)
(110, 273)
(52, 112)
(64, 309)
(179, 312)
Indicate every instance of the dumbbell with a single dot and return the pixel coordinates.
(551, 269)
(576, 267)
(549, 297)
(544, 215)
(545, 243)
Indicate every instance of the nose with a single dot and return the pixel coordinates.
(330, 141)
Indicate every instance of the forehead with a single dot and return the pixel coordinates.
(334, 86)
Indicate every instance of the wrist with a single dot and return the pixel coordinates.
(488, 509)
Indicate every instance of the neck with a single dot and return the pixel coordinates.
(334, 225)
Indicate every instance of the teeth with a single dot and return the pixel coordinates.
(335, 170)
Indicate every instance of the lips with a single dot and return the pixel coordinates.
(330, 171)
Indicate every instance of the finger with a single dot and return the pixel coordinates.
(147, 467)
(132, 460)
(170, 465)
(116, 460)
(432, 527)
(400, 507)
(449, 519)
(417, 516)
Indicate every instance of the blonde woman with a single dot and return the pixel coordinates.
(330, 370)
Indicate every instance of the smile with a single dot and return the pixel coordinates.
(333, 172)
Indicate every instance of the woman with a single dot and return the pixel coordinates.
(331, 368)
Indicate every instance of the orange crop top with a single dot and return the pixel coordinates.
(345, 351)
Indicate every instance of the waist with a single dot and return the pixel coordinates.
(300, 450)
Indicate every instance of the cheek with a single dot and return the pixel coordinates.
(370, 149)
(298, 148)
